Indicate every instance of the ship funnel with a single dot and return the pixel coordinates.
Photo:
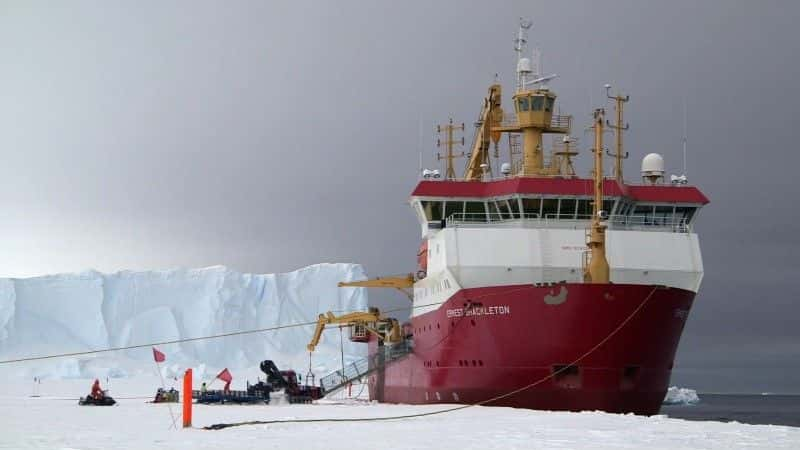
(653, 168)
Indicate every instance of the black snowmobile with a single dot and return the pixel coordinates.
(104, 400)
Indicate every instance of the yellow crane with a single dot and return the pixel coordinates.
(491, 116)
(360, 323)
(400, 282)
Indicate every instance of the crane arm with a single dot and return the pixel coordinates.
(474, 171)
(398, 282)
(491, 115)
(329, 319)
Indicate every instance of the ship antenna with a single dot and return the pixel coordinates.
(419, 144)
(519, 47)
(684, 137)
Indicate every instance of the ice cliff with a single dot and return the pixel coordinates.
(92, 310)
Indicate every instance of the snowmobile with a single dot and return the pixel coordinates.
(103, 400)
(166, 396)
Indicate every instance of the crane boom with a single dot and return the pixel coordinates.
(399, 282)
(491, 115)
(372, 321)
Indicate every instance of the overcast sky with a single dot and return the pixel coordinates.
(267, 136)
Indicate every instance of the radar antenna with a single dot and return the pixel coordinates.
(525, 67)
(519, 47)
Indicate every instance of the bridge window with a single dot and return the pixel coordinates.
(532, 207)
(475, 211)
(550, 208)
(453, 207)
(513, 204)
(684, 213)
(643, 214)
(548, 105)
(584, 209)
(433, 210)
(494, 214)
(663, 215)
(624, 208)
(567, 208)
(523, 104)
(505, 211)
(537, 103)
(608, 206)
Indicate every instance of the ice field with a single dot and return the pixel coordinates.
(55, 421)
(87, 311)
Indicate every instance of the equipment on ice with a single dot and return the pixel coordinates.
(98, 397)
(167, 396)
(286, 380)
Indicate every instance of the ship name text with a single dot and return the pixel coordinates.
(479, 311)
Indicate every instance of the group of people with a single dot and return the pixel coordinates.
(98, 393)
(166, 395)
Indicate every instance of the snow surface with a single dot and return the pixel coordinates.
(55, 421)
(91, 310)
(681, 396)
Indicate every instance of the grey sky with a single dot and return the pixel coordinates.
(271, 135)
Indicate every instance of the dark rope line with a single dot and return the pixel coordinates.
(151, 344)
(191, 339)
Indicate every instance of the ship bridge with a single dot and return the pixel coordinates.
(551, 201)
(533, 230)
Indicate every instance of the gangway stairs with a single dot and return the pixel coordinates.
(361, 368)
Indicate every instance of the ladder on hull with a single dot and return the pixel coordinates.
(365, 366)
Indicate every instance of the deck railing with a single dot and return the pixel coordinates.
(557, 122)
(579, 221)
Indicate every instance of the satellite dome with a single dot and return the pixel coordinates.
(653, 165)
(653, 168)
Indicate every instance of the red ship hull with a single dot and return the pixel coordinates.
(574, 347)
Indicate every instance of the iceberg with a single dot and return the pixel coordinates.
(681, 396)
(91, 310)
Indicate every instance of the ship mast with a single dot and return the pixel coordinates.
(534, 105)
(597, 270)
(618, 129)
(449, 142)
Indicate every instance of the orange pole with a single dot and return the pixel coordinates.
(187, 399)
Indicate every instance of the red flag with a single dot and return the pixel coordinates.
(158, 356)
(225, 375)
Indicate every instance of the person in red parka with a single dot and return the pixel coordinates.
(97, 392)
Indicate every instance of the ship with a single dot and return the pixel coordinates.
(535, 287)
